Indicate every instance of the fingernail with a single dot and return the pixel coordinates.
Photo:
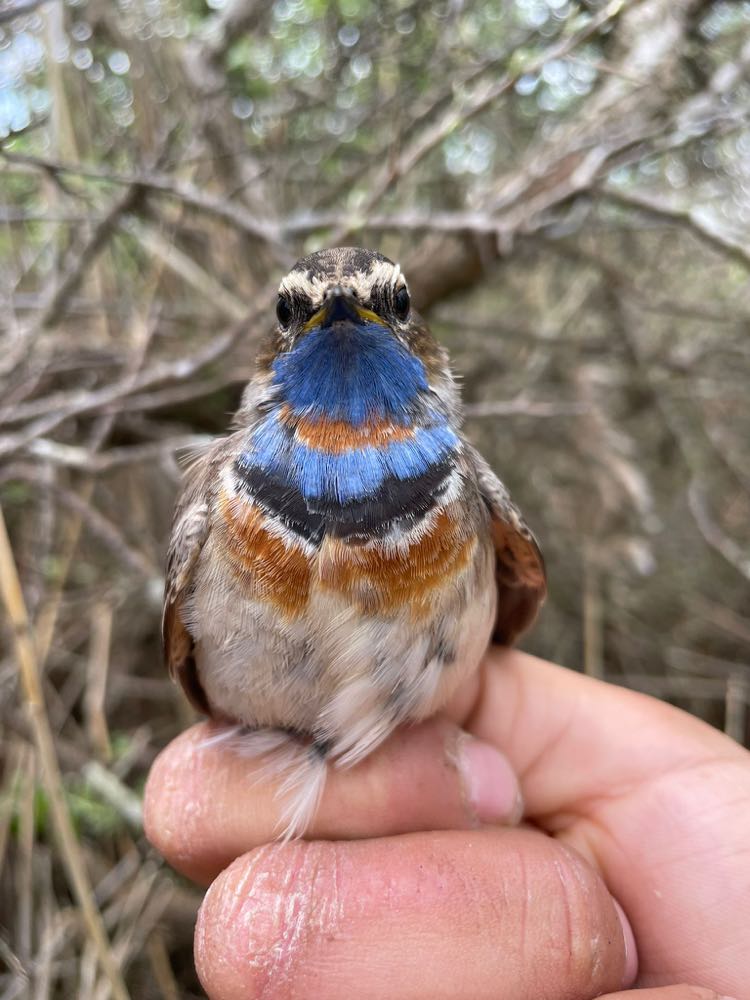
(631, 952)
(489, 783)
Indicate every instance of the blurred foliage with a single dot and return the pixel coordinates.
(567, 187)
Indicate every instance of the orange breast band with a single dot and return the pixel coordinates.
(380, 582)
(271, 569)
(338, 436)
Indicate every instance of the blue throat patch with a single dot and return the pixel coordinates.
(353, 373)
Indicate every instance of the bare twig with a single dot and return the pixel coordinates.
(16, 968)
(122, 799)
(723, 618)
(186, 268)
(15, 754)
(77, 457)
(79, 262)
(158, 956)
(736, 702)
(696, 219)
(96, 680)
(26, 838)
(524, 407)
(592, 613)
(719, 541)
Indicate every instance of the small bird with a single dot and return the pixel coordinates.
(339, 562)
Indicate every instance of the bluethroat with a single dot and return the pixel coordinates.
(339, 562)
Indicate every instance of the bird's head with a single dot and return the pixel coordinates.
(344, 288)
(348, 344)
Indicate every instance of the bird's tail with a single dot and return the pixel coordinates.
(297, 767)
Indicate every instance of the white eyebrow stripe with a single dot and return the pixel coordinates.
(362, 282)
(312, 289)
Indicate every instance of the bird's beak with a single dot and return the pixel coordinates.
(340, 306)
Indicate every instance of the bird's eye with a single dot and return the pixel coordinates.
(401, 303)
(283, 311)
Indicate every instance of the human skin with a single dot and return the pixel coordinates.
(411, 887)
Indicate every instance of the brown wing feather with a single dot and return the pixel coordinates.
(519, 565)
(178, 652)
(190, 528)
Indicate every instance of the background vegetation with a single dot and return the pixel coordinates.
(567, 186)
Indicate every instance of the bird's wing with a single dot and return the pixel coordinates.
(190, 529)
(519, 566)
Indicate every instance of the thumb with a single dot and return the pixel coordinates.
(205, 804)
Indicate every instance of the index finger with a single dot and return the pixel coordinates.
(205, 804)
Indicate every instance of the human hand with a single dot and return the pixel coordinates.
(657, 803)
